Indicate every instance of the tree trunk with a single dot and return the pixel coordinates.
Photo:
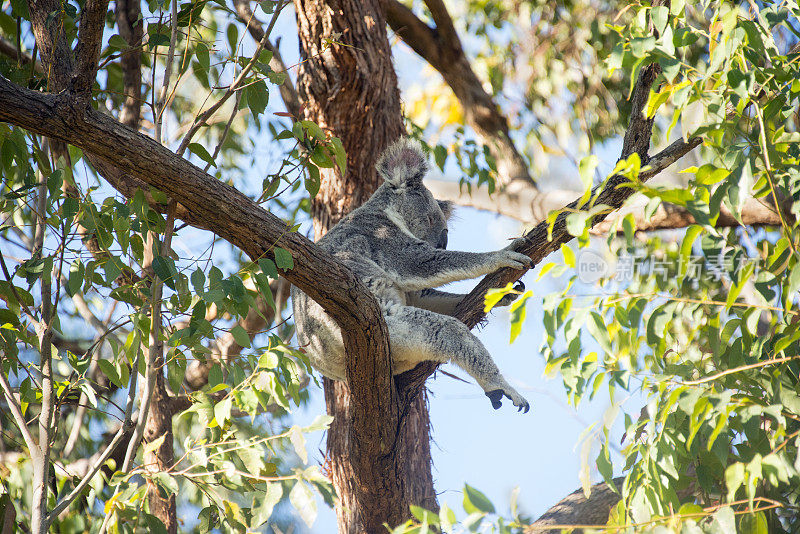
(350, 88)
(159, 424)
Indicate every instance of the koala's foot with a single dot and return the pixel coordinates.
(514, 260)
(511, 297)
(496, 395)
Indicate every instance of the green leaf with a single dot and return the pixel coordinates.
(576, 223)
(312, 181)
(283, 258)
(724, 521)
(222, 410)
(108, 369)
(660, 16)
(597, 327)
(264, 504)
(440, 156)
(475, 501)
(268, 267)
(200, 151)
(164, 269)
(518, 313)
(754, 524)
(447, 518)
(303, 501)
(339, 154)
(299, 443)
(76, 277)
(257, 97)
(240, 336)
(586, 169)
(321, 422)
(201, 53)
(117, 42)
(605, 467)
(493, 296)
(314, 130)
(734, 478)
(166, 481)
(426, 517)
(656, 100)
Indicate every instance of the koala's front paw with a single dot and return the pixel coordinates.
(516, 244)
(515, 260)
(511, 297)
(496, 395)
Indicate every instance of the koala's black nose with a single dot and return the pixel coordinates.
(442, 243)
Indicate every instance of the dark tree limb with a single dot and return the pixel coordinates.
(577, 509)
(131, 28)
(90, 39)
(233, 216)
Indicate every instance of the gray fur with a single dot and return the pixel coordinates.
(395, 243)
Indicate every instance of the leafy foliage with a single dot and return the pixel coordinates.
(230, 386)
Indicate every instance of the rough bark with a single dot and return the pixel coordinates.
(161, 458)
(577, 509)
(350, 88)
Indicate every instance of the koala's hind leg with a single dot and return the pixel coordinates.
(417, 335)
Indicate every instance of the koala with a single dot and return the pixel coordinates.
(396, 244)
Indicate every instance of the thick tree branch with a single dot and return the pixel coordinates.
(577, 509)
(131, 29)
(90, 38)
(231, 215)
(538, 246)
(442, 49)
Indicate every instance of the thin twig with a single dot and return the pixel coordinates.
(16, 411)
(201, 119)
(160, 104)
(738, 369)
(225, 131)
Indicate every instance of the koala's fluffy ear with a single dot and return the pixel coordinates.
(403, 164)
(447, 208)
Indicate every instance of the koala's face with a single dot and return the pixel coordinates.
(423, 216)
(409, 204)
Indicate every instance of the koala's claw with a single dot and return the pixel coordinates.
(496, 396)
(514, 260)
(511, 297)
